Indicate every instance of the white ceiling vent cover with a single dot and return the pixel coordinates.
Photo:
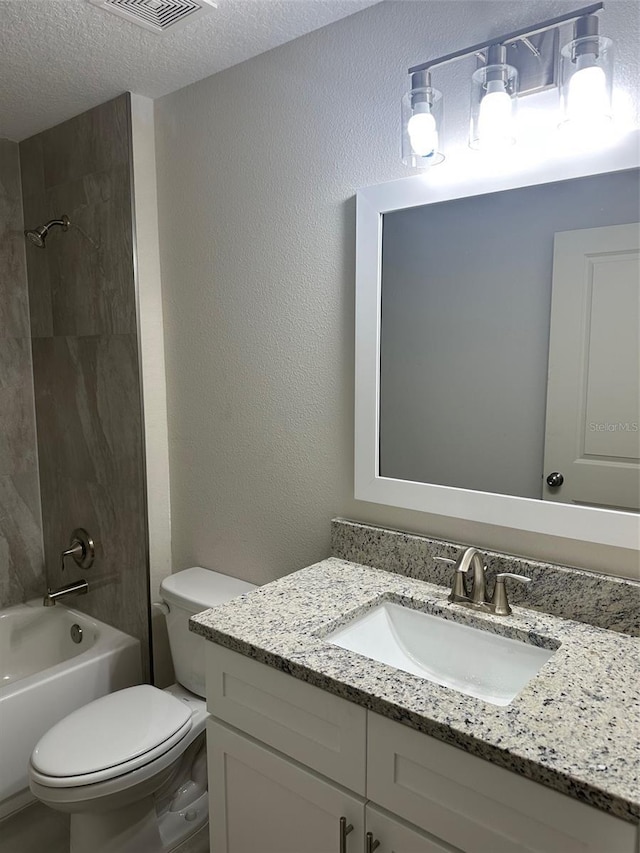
(157, 15)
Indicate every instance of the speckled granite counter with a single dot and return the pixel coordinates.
(575, 727)
(591, 597)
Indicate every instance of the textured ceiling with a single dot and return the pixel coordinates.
(60, 57)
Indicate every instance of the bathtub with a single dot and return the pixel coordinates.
(44, 675)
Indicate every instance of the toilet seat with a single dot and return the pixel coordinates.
(111, 737)
(147, 793)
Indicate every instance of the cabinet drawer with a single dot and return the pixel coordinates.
(318, 729)
(477, 807)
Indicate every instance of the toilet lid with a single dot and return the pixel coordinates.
(111, 731)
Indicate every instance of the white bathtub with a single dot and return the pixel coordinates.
(44, 675)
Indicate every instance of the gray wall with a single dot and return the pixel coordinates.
(21, 563)
(257, 170)
(466, 301)
(85, 354)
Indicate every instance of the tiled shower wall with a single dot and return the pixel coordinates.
(21, 565)
(85, 360)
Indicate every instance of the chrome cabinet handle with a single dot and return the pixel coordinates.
(372, 844)
(345, 829)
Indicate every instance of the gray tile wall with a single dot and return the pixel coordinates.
(85, 359)
(21, 562)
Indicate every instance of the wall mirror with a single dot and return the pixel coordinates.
(497, 347)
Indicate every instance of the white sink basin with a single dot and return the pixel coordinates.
(472, 661)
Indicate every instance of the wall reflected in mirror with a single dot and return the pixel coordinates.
(466, 311)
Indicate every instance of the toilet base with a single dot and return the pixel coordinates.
(136, 828)
(178, 827)
(130, 829)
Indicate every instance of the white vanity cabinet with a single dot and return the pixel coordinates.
(266, 803)
(476, 806)
(287, 760)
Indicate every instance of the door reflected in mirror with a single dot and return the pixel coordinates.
(509, 348)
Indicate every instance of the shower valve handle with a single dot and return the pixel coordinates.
(82, 549)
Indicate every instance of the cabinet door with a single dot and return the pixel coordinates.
(260, 802)
(395, 836)
(316, 728)
(478, 807)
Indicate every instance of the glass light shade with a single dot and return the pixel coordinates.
(493, 107)
(422, 127)
(587, 78)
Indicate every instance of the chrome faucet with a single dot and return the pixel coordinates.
(80, 587)
(471, 558)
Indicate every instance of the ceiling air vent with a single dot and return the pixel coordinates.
(157, 15)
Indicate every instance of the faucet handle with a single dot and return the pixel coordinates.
(82, 548)
(459, 587)
(499, 600)
(459, 591)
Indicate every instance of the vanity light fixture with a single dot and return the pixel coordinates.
(587, 77)
(513, 65)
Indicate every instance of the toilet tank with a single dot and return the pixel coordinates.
(185, 593)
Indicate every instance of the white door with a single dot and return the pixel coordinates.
(262, 803)
(593, 394)
(395, 836)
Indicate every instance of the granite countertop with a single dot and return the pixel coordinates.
(575, 727)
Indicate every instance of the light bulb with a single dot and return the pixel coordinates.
(495, 119)
(423, 133)
(587, 100)
(421, 119)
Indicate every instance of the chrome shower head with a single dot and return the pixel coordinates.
(39, 235)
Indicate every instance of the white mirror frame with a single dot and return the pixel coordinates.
(603, 526)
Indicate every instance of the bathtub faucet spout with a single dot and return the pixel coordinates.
(77, 588)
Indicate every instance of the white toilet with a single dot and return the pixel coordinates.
(131, 766)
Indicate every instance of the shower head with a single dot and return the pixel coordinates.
(39, 235)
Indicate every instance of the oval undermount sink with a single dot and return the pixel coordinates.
(467, 659)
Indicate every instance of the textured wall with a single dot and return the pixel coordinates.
(85, 354)
(257, 169)
(21, 564)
